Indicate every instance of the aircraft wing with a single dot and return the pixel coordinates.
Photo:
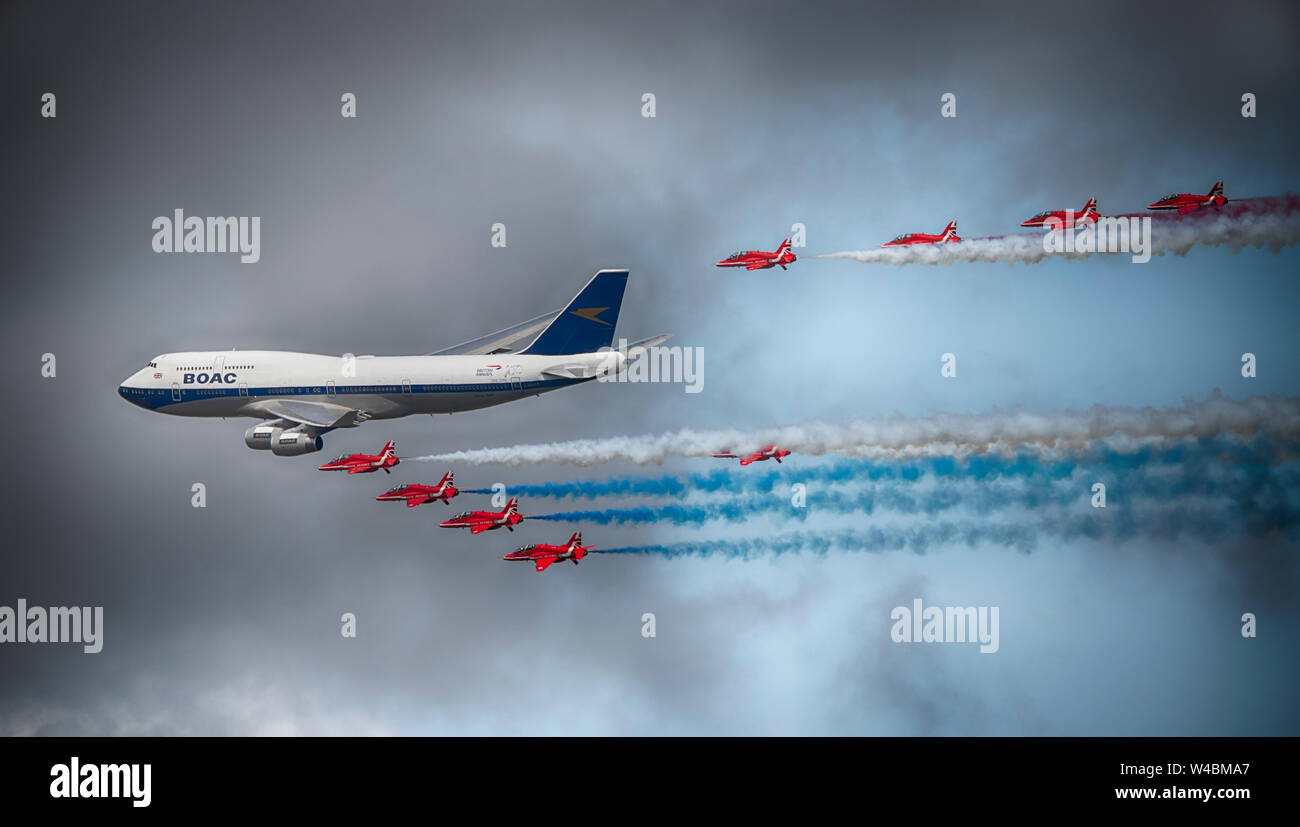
(502, 340)
(323, 415)
(543, 562)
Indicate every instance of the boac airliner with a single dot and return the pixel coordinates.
(304, 395)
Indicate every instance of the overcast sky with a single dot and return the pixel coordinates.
(375, 238)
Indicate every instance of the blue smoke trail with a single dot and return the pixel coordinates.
(1165, 524)
(1249, 490)
(1101, 461)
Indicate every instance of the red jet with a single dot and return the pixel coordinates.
(1056, 219)
(949, 234)
(480, 521)
(415, 494)
(1186, 202)
(759, 260)
(543, 555)
(763, 454)
(365, 463)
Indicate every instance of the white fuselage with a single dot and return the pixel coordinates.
(234, 382)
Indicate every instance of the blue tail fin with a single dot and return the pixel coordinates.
(587, 324)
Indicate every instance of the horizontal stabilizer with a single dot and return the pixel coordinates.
(572, 371)
(653, 341)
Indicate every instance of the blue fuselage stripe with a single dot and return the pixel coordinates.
(159, 398)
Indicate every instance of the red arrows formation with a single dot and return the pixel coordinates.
(1183, 202)
(542, 555)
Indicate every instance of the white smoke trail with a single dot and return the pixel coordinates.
(900, 437)
(1271, 222)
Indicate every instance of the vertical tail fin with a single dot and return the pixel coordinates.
(1217, 189)
(390, 447)
(587, 324)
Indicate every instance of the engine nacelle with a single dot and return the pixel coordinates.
(295, 443)
(261, 437)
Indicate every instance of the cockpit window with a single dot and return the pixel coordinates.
(902, 237)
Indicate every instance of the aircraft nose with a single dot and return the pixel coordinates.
(126, 392)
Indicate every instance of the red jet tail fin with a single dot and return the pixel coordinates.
(1217, 189)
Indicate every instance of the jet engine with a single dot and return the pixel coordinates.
(295, 443)
(261, 437)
